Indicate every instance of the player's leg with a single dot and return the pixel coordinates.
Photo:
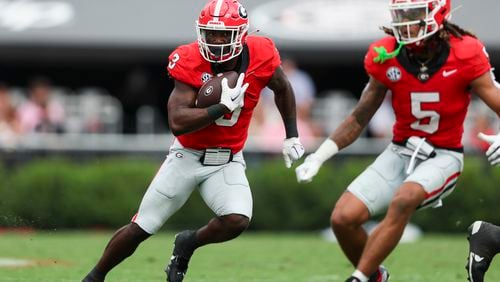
(218, 229)
(168, 191)
(228, 194)
(484, 244)
(369, 194)
(122, 245)
(347, 219)
(386, 235)
(431, 181)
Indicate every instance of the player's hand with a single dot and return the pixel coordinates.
(232, 98)
(306, 171)
(493, 152)
(292, 150)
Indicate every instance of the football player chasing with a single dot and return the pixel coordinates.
(206, 153)
(431, 69)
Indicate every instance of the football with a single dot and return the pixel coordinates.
(209, 93)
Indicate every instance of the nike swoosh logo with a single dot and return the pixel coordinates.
(234, 99)
(448, 73)
(478, 258)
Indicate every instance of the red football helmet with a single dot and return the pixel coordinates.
(415, 20)
(222, 29)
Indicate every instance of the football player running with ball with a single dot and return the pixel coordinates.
(207, 151)
(431, 70)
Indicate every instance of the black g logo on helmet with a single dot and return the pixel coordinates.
(243, 12)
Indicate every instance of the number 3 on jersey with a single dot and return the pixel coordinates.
(174, 60)
(417, 99)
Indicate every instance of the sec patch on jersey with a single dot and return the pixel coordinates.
(210, 92)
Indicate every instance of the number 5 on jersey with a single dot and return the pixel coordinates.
(417, 99)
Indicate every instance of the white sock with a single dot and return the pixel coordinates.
(362, 277)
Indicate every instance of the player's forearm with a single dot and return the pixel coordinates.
(187, 120)
(286, 105)
(348, 131)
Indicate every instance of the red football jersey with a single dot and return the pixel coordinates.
(434, 108)
(260, 58)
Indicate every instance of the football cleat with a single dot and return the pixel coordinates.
(382, 275)
(352, 279)
(178, 265)
(176, 269)
(483, 246)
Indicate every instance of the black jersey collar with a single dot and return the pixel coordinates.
(413, 67)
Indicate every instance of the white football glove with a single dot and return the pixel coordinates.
(292, 150)
(232, 98)
(306, 171)
(493, 152)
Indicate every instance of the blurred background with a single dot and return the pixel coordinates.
(83, 120)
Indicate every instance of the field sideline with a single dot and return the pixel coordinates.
(272, 257)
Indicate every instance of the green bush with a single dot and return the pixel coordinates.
(58, 193)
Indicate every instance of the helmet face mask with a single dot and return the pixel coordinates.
(222, 29)
(415, 20)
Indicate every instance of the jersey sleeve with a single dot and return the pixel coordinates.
(370, 66)
(270, 60)
(377, 70)
(474, 58)
(180, 66)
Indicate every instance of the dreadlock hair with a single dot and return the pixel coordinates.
(455, 30)
(444, 34)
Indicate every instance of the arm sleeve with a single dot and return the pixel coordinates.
(477, 62)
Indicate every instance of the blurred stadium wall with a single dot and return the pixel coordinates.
(119, 49)
(122, 46)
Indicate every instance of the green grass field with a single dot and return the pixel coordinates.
(67, 256)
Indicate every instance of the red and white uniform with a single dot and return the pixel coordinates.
(224, 188)
(436, 108)
(188, 66)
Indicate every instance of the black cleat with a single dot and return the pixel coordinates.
(352, 279)
(183, 250)
(483, 246)
(176, 269)
(382, 275)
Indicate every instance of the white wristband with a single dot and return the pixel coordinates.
(327, 149)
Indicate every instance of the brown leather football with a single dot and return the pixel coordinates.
(209, 93)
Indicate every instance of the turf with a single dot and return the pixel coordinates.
(67, 256)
